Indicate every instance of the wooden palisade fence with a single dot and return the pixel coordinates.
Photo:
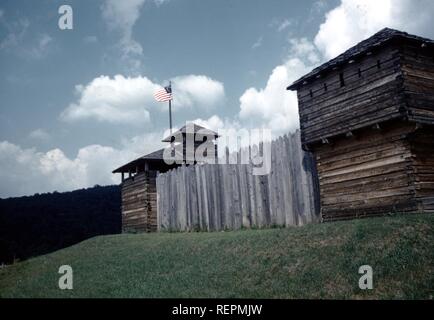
(213, 197)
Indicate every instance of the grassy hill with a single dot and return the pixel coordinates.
(314, 261)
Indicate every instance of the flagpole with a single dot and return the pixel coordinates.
(170, 108)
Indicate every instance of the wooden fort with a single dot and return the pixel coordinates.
(368, 117)
(139, 192)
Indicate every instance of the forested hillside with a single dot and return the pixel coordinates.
(35, 225)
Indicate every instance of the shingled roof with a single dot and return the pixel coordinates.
(197, 128)
(154, 156)
(157, 156)
(377, 40)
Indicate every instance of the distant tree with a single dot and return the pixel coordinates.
(35, 225)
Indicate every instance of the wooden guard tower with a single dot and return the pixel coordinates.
(139, 191)
(368, 117)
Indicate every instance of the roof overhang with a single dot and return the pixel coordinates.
(377, 41)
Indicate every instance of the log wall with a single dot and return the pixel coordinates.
(377, 171)
(139, 206)
(418, 86)
(228, 196)
(422, 147)
(360, 94)
(370, 125)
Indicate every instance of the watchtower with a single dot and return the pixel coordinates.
(368, 117)
(139, 190)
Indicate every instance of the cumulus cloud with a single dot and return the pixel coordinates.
(142, 144)
(318, 8)
(115, 100)
(197, 90)
(354, 20)
(39, 134)
(26, 171)
(233, 135)
(121, 16)
(306, 49)
(214, 123)
(127, 100)
(273, 106)
(349, 23)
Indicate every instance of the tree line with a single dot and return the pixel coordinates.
(42, 223)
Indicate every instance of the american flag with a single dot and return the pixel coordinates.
(164, 94)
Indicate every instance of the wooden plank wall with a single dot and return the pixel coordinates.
(151, 201)
(218, 197)
(371, 94)
(368, 174)
(422, 144)
(418, 71)
(139, 203)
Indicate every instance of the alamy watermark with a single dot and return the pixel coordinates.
(204, 146)
(66, 20)
(66, 281)
(366, 280)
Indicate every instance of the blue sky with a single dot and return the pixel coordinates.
(77, 103)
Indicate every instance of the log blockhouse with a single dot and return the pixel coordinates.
(138, 187)
(368, 118)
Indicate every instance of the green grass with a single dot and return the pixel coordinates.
(314, 261)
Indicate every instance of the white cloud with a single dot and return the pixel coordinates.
(273, 106)
(41, 48)
(306, 49)
(258, 43)
(143, 144)
(349, 23)
(160, 2)
(281, 24)
(18, 42)
(16, 32)
(233, 134)
(317, 8)
(39, 134)
(115, 100)
(127, 100)
(121, 16)
(28, 171)
(284, 24)
(354, 20)
(197, 91)
(213, 123)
